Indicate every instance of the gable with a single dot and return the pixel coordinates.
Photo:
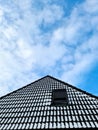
(30, 107)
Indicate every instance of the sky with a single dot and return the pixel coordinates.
(48, 37)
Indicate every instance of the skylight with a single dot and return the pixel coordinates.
(59, 97)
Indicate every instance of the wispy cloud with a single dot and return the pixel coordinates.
(81, 35)
(37, 38)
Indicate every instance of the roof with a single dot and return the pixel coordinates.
(30, 107)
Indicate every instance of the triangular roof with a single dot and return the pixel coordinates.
(30, 107)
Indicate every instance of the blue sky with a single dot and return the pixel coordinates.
(48, 37)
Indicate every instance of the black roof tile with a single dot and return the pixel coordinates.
(30, 107)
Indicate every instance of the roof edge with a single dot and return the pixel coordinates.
(23, 87)
(74, 87)
(54, 79)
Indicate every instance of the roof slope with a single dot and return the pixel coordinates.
(30, 107)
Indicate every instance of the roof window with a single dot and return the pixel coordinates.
(59, 97)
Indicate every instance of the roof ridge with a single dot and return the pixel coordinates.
(23, 86)
(74, 87)
(54, 79)
(34, 107)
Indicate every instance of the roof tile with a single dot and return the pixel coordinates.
(30, 107)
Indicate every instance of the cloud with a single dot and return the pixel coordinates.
(37, 38)
(82, 36)
(78, 34)
(91, 6)
(22, 48)
(49, 14)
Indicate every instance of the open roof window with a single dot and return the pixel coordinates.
(59, 97)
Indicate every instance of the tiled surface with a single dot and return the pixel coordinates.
(30, 108)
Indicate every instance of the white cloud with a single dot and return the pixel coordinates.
(91, 6)
(27, 50)
(76, 74)
(49, 14)
(84, 55)
(22, 47)
(1, 15)
(48, 55)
